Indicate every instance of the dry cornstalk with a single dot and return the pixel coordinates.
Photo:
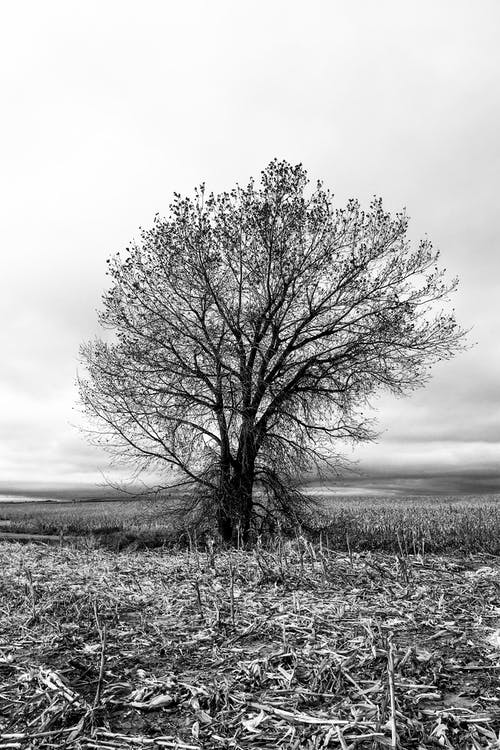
(340, 735)
(392, 697)
(102, 636)
(231, 588)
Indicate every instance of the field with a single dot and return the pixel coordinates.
(380, 630)
(296, 647)
(410, 525)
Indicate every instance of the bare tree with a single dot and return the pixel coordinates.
(250, 328)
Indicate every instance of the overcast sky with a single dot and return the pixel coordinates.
(108, 107)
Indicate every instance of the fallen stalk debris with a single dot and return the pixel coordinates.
(301, 647)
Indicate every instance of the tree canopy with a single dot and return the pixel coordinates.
(250, 329)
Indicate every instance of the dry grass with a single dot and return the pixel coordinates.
(415, 524)
(410, 525)
(299, 647)
(116, 524)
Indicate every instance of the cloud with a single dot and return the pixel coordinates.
(110, 108)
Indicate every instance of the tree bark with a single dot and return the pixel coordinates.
(225, 524)
(244, 480)
(225, 500)
(246, 490)
(235, 495)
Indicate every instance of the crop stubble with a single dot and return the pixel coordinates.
(298, 647)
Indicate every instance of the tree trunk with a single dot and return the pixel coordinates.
(246, 500)
(225, 524)
(244, 481)
(235, 496)
(225, 501)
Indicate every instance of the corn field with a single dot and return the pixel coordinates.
(408, 525)
(414, 525)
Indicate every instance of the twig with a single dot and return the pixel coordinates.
(31, 590)
(231, 588)
(165, 741)
(198, 597)
(390, 672)
(302, 718)
(349, 551)
(102, 635)
(340, 735)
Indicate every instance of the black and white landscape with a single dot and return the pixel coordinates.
(250, 414)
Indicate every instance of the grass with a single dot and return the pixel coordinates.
(405, 525)
(112, 522)
(415, 524)
(296, 646)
